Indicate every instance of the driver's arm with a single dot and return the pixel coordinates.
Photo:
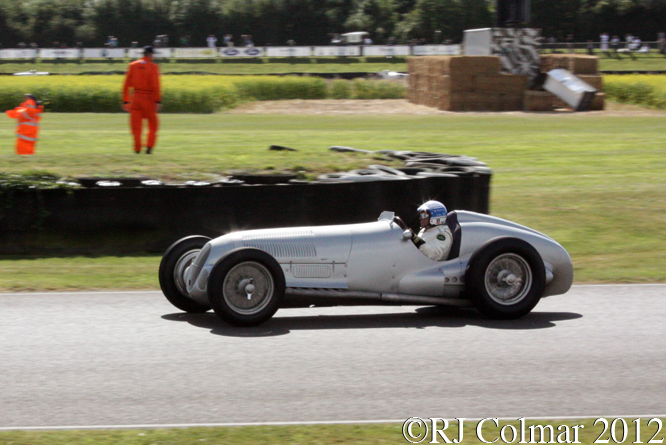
(435, 244)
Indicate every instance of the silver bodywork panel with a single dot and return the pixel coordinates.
(374, 261)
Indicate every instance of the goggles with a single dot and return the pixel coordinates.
(424, 215)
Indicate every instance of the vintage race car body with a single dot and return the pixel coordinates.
(376, 262)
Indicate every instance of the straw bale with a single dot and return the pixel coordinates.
(447, 65)
(501, 83)
(511, 102)
(478, 65)
(599, 102)
(434, 66)
(559, 103)
(593, 81)
(538, 101)
(458, 83)
(554, 61)
(451, 102)
(582, 64)
(477, 102)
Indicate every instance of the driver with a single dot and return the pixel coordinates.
(435, 238)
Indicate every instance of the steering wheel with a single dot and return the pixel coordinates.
(400, 222)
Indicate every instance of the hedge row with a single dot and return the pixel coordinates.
(189, 94)
(636, 94)
(638, 89)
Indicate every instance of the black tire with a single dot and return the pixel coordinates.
(506, 278)
(242, 275)
(176, 259)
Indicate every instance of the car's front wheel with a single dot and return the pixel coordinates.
(506, 278)
(246, 287)
(172, 269)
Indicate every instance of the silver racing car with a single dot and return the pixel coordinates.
(499, 267)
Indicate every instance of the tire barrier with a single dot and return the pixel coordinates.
(110, 217)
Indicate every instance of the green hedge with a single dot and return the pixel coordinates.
(90, 94)
(281, 88)
(637, 94)
(378, 89)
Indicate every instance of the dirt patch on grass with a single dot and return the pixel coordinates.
(402, 106)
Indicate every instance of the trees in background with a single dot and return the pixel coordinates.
(307, 22)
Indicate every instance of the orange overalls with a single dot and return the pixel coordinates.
(143, 77)
(28, 114)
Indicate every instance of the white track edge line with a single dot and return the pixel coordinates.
(313, 422)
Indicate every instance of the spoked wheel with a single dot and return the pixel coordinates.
(172, 269)
(246, 287)
(506, 279)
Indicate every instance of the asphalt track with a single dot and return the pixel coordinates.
(95, 359)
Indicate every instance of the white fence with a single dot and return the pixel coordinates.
(232, 52)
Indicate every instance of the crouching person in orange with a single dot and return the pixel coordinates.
(144, 99)
(29, 113)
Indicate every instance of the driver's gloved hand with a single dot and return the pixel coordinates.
(417, 240)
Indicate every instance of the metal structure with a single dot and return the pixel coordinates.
(572, 90)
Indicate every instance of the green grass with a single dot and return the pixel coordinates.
(641, 63)
(359, 66)
(594, 183)
(653, 62)
(79, 273)
(586, 432)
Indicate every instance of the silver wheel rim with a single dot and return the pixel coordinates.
(508, 279)
(248, 288)
(179, 271)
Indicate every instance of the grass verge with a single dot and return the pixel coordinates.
(263, 66)
(580, 431)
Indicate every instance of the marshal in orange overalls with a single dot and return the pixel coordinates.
(28, 114)
(143, 102)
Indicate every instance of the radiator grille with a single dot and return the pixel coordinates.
(312, 271)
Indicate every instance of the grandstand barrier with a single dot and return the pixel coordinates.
(231, 52)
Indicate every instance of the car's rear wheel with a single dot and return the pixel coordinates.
(246, 287)
(172, 269)
(506, 278)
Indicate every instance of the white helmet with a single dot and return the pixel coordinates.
(434, 212)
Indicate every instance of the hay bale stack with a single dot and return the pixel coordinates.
(464, 83)
(474, 83)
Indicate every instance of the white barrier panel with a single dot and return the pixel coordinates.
(46, 53)
(18, 53)
(251, 51)
(437, 50)
(381, 50)
(194, 53)
(101, 53)
(326, 51)
(288, 51)
(160, 53)
(271, 51)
